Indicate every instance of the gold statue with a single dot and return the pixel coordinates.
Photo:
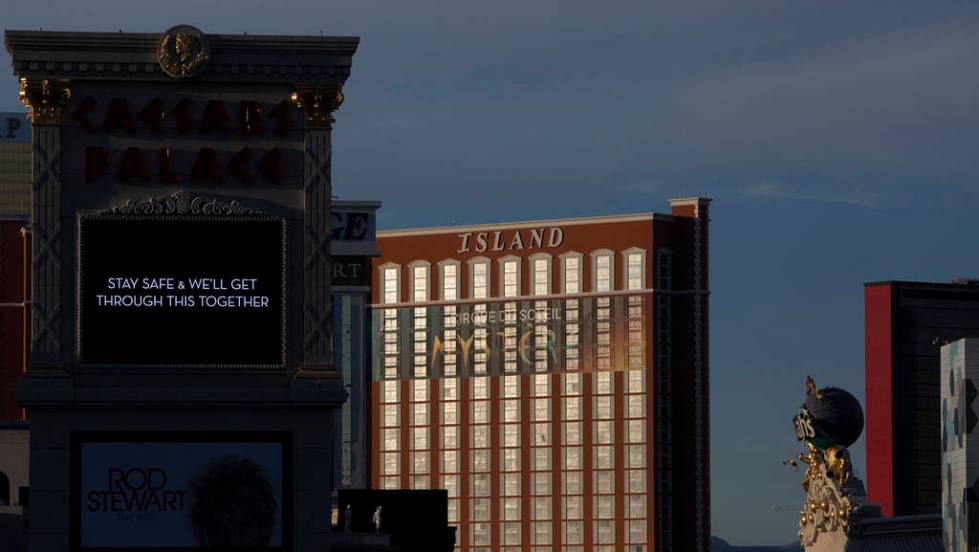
(811, 388)
(812, 459)
(838, 463)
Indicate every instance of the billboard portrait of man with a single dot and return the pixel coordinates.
(232, 504)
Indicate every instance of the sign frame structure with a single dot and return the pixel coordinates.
(78, 438)
(225, 218)
(93, 97)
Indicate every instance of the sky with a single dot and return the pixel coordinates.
(838, 141)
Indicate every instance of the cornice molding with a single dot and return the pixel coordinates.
(234, 58)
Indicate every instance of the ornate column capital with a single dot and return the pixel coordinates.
(318, 102)
(44, 98)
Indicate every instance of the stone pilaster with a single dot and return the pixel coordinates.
(317, 104)
(44, 99)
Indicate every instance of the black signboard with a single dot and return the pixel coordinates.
(181, 291)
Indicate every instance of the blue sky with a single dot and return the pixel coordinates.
(838, 140)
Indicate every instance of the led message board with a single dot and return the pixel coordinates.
(181, 291)
(172, 490)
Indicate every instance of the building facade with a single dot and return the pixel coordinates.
(15, 208)
(552, 376)
(905, 325)
(353, 245)
(960, 456)
(15, 164)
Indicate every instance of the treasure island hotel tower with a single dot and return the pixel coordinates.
(552, 376)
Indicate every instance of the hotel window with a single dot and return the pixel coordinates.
(542, 384)
(449, 276)
(634, 461)
(572, 459)
(540, 264)
(571, 272)
(450, 413)
(419, 271)
(419, 429)
(509, 439)
(480, 458)
(604, 278)
(634, 266)
(450, 437)
(390, 293)
(511, 386)
(448, 387)
(510, 276)
(571, 282)
(511, 530)
(449, 444)
(391, 390)
(480, 289)
(479, 284)
(480, 532)
(603, 273)
(634, 261)
(542, 533)
(390, 283)
(510, 434)
(603, 461)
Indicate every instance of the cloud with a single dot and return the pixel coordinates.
(899, 103)
(874, 112)
(774, 190)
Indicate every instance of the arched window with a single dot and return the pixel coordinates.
(571, 272)
(479, 278)
(540, 274)
(634, 268)
(602, 270)
(509, 276)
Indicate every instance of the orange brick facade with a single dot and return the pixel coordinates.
(552, 375)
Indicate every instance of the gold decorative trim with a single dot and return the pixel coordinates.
(318, 104)
(183, 51)
(317, 371)
(44, 99)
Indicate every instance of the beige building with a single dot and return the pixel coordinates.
(15, 164)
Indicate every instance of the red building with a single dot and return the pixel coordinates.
(906, 323)
(552, 376)
(13, 294)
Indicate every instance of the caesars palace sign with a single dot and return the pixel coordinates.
(221, 124)
(251, 118)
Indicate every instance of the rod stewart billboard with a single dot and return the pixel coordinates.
(180, 490)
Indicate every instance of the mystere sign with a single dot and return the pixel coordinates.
(195, 291)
